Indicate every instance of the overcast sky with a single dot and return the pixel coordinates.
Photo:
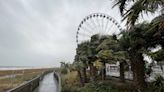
(42, 32)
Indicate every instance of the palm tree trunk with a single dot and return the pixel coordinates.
(80, 78)
(138, 64)
(103, 71)
(122, 75)
(91, 70)
(85, 75)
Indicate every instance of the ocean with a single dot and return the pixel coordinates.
(18, 67)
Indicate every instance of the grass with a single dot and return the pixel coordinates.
(70, 83)
(8, 83)
(70, 78)
(9, 72)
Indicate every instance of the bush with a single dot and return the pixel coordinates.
(69, 82)
(64, 71)
(70, 89)
(91, 87)
(98, 87)
(158, 84)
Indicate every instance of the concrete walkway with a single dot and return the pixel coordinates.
(48, 84)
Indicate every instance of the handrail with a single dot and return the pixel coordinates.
(30, 85)
(57, 76)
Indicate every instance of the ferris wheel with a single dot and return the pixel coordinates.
(96, 23)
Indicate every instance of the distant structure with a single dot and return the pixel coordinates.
(113, 70)
(97, 23)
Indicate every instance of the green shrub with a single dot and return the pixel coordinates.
(64, 71)
(90, 87)
(98, 87)
(70, 89)
(158, 84)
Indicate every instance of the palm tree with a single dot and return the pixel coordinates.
(123, 58)
(133, 43)
(83, 52)
(64, 67)
(77, 65)
(137, 8)
(110, 52)
(86, 53)
(104, 52)
(156, 31)
(104, 56)
(138, 41)
(94, 42)
(158, 55)
(145, 36)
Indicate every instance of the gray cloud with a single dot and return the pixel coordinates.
(42, 32)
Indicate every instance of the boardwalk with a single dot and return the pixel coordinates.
(48, 84)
